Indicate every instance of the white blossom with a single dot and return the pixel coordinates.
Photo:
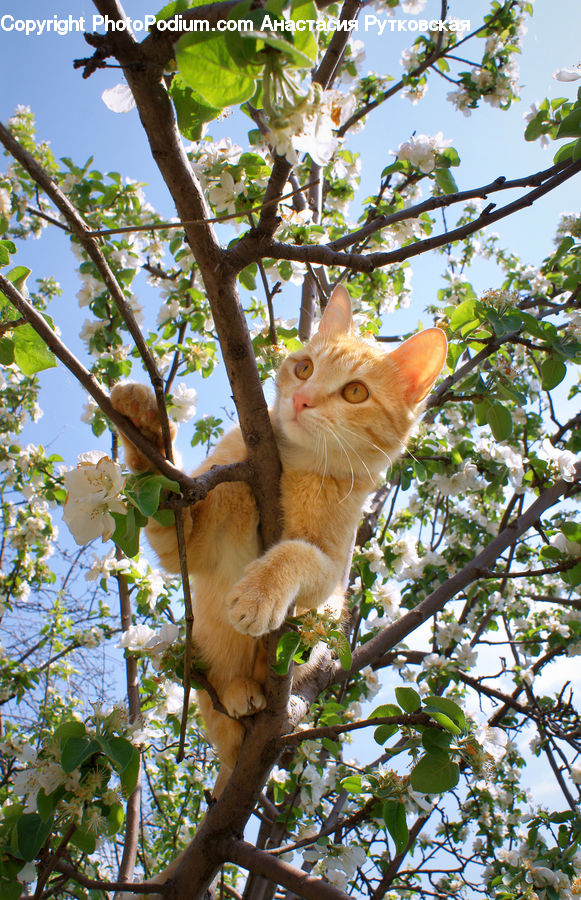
(570, 73)
(89, 410)
(224, 194)
(388, 596)
(136, 637)
(494, 741)
(183, 403)
(118, 99)
(5, 204)
(422, 149)
(92, 491)
(563, 459)
(27, 874)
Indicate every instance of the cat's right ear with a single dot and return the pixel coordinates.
(337, 316)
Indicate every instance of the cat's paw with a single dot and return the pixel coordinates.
(243, 697)
(138, 403)
(256, 604)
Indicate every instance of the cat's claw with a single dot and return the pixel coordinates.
(243, 697)
(255, 611)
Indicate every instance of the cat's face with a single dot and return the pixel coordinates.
(344, 406)
(340, 408)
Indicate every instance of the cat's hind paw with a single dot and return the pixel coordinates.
(243, 697)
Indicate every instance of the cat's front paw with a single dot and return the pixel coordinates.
(138, 403)
(256, 605)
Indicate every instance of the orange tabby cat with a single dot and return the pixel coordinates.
(343, 411)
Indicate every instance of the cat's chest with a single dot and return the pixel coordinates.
(322, 511)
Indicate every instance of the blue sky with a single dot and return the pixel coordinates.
(37, 71)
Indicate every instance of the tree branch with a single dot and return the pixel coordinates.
(194, 488)
(261, 863)
(93, 250)
(397, 631)
(444, 200)
(323, 254)
(218, 273)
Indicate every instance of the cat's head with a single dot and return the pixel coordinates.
(344, 406)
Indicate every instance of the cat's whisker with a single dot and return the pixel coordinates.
(371, 443)
(324, 444)
(360, 458)
(336, 436)
(409, 452)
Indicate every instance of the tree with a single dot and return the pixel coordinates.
(464, 582)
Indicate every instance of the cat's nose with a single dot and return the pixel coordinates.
(301, 401)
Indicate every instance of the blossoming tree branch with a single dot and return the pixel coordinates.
(403, 765)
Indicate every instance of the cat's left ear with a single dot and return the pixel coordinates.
(337, 316)
(420, 360)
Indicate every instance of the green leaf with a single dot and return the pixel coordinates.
(6, 351)
(192, 113)
(504, 324)
(18, 276)
(247, 277)
(572, 576)
(173, 9)
(31, 354)
(286, 649)
(450, 156)
(481, 412)
(145, 490)
(12, 889)
(126, 760)
(552, 373)
(207, 67)
(352, 784)
(571, 125)
(115, 817)
(433, 739)
(408, 699)
(6, 248)
(296, 57)
(244, 46)
(572, 530)
(446, 181)
(70, 728)
(76, 750)
(383, 733)
(434, 773)
(46, 804)
(445, 705)
(500, 421)
(443, 720)
(332, 747)
(464, 317)
(395, 821)
(127, 529)
(341, 647)
(566, 151)
(386, 709)
(305, 41)
(84, 840)
(165, 517)
(31, 833)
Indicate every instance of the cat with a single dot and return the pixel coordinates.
(343, 411)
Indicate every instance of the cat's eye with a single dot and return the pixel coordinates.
(355, 392)
(304, 369)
